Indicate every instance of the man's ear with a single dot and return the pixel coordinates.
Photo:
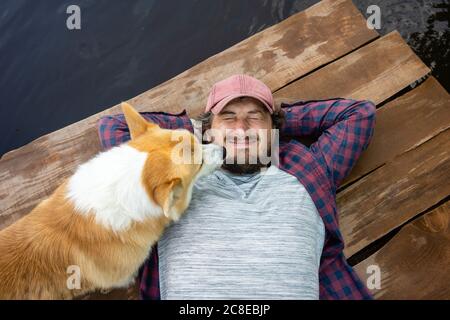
(136, 123)
(167, 195)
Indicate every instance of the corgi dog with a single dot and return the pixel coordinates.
(98, 226)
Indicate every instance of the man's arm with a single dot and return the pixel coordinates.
(344, 128)
(112, 131)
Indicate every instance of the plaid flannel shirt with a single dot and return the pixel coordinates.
(343, 129)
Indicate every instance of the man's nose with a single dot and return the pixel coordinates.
(240, 125)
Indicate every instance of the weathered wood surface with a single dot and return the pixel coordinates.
(360, 75)
(394, 193)
(414, 264)
(376, 71)
(277, 56)
(404, 123)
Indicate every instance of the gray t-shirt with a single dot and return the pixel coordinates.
(253, 236)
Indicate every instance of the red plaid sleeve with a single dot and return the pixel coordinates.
(112, 131)
(344, 128)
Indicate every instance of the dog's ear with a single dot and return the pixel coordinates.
(136, 123)
(167, 195)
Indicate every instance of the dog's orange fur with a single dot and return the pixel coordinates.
(36, 251)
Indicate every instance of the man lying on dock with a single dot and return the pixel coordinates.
(260, 229)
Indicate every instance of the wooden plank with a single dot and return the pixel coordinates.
(375, 72)
(277, 56)
(414, 264)
(404, 123)
(395, 193)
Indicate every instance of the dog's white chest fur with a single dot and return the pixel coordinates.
(110, 186)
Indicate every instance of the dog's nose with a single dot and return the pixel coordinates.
(218, 152)
(213, 153)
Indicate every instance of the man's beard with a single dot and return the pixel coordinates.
(247, 168)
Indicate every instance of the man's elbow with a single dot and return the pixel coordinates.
(368, 108)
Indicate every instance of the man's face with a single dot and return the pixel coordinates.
(243, 127)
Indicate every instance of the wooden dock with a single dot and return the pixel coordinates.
(394, 207)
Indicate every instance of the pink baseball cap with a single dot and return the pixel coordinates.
(239, 85)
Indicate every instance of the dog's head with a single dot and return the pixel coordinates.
(176, 159)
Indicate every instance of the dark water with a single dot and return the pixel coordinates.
(51, 77)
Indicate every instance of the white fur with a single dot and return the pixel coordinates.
(110, 187)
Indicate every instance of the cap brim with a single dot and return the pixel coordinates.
(222, 103)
